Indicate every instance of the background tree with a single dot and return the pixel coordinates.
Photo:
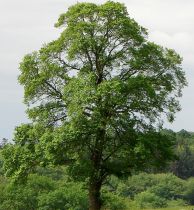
(184, 149)
(95, 97)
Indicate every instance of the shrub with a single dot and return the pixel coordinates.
(169, 187)
(17, 197)
(136, 184)
(175, 203)
(149, 200)
(69, 197)
(113, 201)
(189, 193)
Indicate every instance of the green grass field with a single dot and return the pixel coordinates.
(169, 208)
(176, 208)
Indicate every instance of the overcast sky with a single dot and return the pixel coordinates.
(25, 25)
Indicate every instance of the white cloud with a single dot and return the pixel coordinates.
(26, 25)
(180, 41)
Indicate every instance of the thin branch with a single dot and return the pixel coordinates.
(53, 88)
(66, 64)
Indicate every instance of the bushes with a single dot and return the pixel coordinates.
(71, 197)
(168, 187)
(189, 192)
(43, 193)
(113, 201)
(167, 191)
(152, 190)
(148, 199)
(19, 197)
(48, 191)
(136, 184)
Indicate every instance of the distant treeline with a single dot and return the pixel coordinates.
(52, 188)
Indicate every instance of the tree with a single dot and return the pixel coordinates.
(95, 97)
(183, 165)
(3, 142)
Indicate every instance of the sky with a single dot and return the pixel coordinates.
(26, 25)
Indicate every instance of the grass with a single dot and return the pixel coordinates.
(176, 208)
(168, 208)
(131, 206)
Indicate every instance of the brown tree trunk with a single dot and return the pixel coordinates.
(94, 195)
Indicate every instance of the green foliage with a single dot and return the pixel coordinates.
(177, 203)
(189, 192)
(71, 196)
(168, 187)
(183, 166)
(19, 197)
(42, 192)
(151, 190)
(101, 76)
(53, 189)
(136, 184)
(96, 97)
(149, 200)
(113, 201)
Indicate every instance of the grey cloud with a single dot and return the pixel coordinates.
(25, 25)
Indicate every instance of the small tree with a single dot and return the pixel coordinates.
(95, 96)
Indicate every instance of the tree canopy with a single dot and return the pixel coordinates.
(96, 97)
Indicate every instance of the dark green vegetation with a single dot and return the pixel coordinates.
(49, 188)
(96, 96)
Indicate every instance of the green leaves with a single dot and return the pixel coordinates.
(96, 97)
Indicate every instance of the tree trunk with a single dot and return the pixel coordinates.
(94, 195)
